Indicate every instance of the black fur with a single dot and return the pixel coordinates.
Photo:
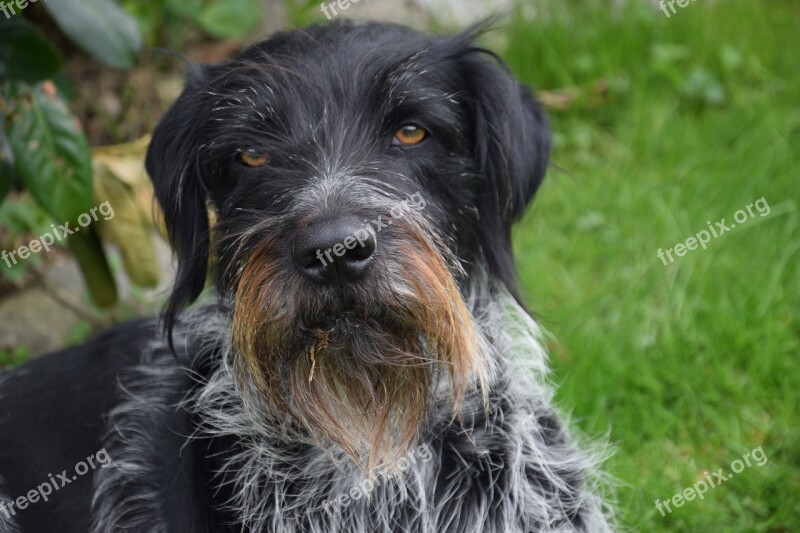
(325, 99)
(495, 140)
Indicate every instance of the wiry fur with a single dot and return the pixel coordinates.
(147, 394)
(517, 470)
(7, 523)
(420, 337)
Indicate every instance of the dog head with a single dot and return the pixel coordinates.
(359, 176)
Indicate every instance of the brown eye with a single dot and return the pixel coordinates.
(252, 158)
(409, 135)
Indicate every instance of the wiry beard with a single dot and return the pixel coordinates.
(360, 371)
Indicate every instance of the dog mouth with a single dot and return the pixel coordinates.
(343, 327)
(356, 367)
(337, 331)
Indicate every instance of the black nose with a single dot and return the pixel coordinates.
(334, 250)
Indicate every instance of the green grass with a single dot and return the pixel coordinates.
(691, 365)
(13, 357)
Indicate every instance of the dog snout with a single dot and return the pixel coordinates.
(331, 251)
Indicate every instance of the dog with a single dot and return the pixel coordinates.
(364, 362)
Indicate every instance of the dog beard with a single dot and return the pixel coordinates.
(360, 367)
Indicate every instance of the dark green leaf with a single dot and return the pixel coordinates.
(92, 260)
(61, 80)
(100, 28)
(232, 19)
(52, 156)
(25, 54)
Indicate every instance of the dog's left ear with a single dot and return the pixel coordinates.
(172, 162)
(510, 133)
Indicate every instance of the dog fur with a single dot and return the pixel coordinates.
(269, 406)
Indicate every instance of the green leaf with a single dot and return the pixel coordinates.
(232, 19)
(23, 215)
(12, 357)
(100, 28)
(185, 8)
(25, 54)
(52, 156)
(88, 251)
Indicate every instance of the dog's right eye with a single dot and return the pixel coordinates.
(252, 158)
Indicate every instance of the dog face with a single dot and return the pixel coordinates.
(360, 176)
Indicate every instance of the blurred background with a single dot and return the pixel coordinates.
(667, 117)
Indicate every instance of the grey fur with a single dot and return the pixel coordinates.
(145, 396)
(516, 473)
(7, 523)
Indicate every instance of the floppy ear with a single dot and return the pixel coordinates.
(172, 162)
(511, 135)
(511, 141)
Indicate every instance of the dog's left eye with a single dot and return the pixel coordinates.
(409, 135)
(252, 158)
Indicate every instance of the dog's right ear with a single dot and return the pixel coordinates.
(173, 164)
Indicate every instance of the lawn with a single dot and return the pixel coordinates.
(691, 365)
